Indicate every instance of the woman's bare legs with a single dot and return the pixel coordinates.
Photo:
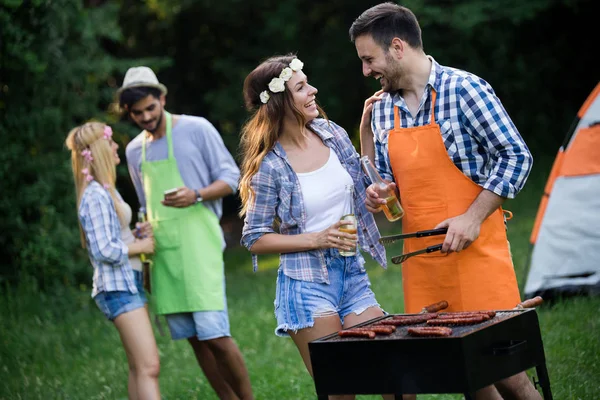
(370, 313)
(325, 325)
(138, 340)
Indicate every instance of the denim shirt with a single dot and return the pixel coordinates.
(277, 196)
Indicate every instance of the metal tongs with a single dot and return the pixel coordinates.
(419, 234)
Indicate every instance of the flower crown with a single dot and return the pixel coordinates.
(277, 85)
(87, 156)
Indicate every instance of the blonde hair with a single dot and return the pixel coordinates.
(260, 133)
(90, 136)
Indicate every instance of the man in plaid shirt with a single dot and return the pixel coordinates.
(443, 139)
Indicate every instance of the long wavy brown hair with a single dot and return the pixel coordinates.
(262, 130)
(91, 136)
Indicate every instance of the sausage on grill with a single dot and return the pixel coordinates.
(384, 329)
(461, 314)
(416, 316)
(459, 321)
(430, 331)
(436, 307)
(407, 319)
(357, 333)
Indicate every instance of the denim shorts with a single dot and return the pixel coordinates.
(205, 325)
(115, 303)
(349, 291)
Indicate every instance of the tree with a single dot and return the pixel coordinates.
(54, 75)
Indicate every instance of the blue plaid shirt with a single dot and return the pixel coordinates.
(108, 254)
(480, 138)
(278, 196)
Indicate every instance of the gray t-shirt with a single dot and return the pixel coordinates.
(200, 153)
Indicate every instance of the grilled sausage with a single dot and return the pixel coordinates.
(407, 319)
(531, 303)
(389, 322)
(435, 307)
(383, 329)
(425, 331)
(459, 321)
(357, 333)
(463, 314)
(416, 316)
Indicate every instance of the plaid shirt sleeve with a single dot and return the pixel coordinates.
(95, 217)
(261, 209)
(488, 122)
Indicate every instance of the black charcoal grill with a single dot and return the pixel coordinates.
(471, 358)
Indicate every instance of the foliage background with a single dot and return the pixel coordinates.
(61, 60)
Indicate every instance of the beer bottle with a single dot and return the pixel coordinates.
(348, 215)
(142, 218)
(392, 208)
(145, 258)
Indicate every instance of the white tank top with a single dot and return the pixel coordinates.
(323, 193)
(126, 235)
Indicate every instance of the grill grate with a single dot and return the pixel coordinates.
(402, 334)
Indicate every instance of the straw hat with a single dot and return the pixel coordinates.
(141, 77)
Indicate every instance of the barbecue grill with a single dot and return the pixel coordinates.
(473, 357)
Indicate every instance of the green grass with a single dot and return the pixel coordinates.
(59, 346)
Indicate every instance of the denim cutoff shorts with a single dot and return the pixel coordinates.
(115, 303)
(349, 291)
(204, 325)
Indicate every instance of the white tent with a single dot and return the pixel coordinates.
(565, 255)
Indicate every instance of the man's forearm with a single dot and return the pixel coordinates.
(215, 190)
(484, 205)
(367, 146)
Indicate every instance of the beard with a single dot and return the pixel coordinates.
(392, 76)
(158, 122)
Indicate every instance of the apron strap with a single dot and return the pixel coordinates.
(433, 96)
(169, 120)
(396, 117)
(145, 133)
(397, 112)
(170, 135)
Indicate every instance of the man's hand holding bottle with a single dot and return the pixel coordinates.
(377, 194)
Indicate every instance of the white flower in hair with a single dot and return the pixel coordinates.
(296, 65)
(277, 85)
(286, 74)
(264, 96)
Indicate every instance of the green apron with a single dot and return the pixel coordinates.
(187, 272)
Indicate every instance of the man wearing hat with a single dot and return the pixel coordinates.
(181, 170)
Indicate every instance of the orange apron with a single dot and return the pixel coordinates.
(433, 189)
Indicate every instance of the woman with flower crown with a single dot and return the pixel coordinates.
(294, 171)
(104, 220)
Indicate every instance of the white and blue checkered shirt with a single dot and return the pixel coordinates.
(278, 196)
(108, 254)
(480, 138)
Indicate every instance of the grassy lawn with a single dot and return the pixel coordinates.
(59, 346)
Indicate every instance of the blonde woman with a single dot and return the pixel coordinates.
(114, 252)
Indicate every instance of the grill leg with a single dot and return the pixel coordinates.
(544, 380)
